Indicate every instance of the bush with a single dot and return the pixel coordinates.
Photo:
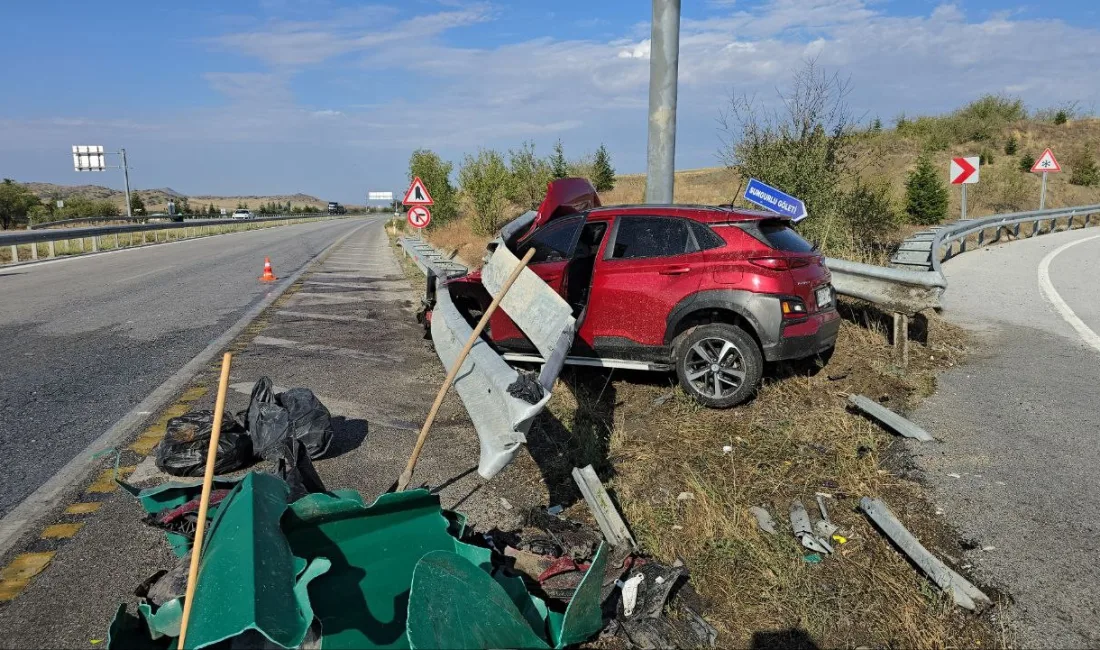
(979, 121)
(15, 202)
(436, 175)
(1085, 171)
(925, 194)
(869, 217)
(986, 157)
(1061, 117)
(603, 174)
(485, 181)
(1011, 146)
(558, 167)
(530, 175)
(1027, 161)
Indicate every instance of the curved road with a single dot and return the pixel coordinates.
(84, 340)
(1021, 426)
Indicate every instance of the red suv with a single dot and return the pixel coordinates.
(710, 292)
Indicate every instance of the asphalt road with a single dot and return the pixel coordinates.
(83, 340)
(1020, 424)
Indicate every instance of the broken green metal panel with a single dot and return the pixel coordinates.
(128, 632)
(173, 495)
(455, 604)
(583, 617)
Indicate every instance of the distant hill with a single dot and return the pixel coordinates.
(157, 199)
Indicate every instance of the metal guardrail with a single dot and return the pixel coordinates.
(897, 290)
(429, 259)
(924, 250)
(45, 225)
(19, 237)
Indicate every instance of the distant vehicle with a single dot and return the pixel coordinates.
(243, 213)
(336, 208)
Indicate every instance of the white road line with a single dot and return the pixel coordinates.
(326, 349)
(1051, 294)
(332, 317)
(323, 298)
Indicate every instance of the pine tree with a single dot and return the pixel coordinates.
(925, 194)
(602, 171)
(137, 206)
(1012, 146)
(1061, 117)
(876, 125)
(1027, 161)
(559, 168)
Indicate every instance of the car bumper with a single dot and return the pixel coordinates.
(810, 337)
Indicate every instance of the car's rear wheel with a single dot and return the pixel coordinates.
(718, 364)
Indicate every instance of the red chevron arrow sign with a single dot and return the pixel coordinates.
(964, 170)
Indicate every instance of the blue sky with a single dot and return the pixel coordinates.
(330, 97)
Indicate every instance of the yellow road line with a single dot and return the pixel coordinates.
(106, 481)
(61, 531)
(18, 574)
(83, 508)
(192, 394)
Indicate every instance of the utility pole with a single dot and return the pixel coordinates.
(664, 56)
(126, 175)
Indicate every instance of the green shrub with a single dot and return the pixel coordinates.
(558, 167)
(1012, 146)
(486, 182)
(1027, 161)
(436, 174)
(1061, 117)
(15, 202)
(986, 157)
(603, 174)
(925, 194)
(1085, 172)
(530, 174)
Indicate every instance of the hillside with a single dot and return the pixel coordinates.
(156, 200)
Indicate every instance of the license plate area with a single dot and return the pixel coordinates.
(824, 296)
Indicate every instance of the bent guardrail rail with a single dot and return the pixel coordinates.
(429, 259)
(924, 249)
(16, 238)
(897, 290)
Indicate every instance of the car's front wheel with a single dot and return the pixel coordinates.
(718, 364)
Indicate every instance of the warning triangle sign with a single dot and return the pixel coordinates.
(418, 194)
(1046, 163)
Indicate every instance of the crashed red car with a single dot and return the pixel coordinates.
(711, 293)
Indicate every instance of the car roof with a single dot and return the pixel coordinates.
(704, 213)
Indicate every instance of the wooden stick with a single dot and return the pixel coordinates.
(406, 476)
(204, 501)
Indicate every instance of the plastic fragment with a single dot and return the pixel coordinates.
(812, 558)
(630, 593)
(763, 519)
(840, 539)
(800, 524)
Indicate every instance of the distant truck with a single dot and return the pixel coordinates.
(336, 208)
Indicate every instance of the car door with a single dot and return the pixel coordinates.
(553, 246)
(647, 265)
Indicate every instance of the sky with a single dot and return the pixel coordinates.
(329, 97)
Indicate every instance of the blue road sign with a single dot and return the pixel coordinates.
(772, 199)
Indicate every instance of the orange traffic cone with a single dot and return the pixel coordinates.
(269, 275)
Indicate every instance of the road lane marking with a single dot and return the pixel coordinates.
(1055, 299)
(331, 317)
(83, 508)
(18, 574)
(326, 349)
(61, 531)
(105, 483)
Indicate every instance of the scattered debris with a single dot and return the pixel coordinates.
(526, 387)
(888, 418)
(505, 503)
(763, 519)
(685, 496)
(599, 501)
(186, 441)
(954, 475)
(664, 398)
(959, 588)
(630, 594)
(838, 376)
(812, 558)
(800, 524)
(554, 510)
(987, 549)
(727, 449)
(825, 528)
(296, 412)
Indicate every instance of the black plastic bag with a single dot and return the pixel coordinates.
(292, 464)
(296, 413)
(187, 439)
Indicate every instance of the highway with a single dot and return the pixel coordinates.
(84, 340)
(1018, 471)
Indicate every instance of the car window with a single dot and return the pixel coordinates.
(782, 237)
(705, 237)
(652, 237)
(552, 243)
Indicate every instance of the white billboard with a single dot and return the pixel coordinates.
(88, 158)
(380, 196)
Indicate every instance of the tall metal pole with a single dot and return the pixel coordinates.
(126, 174)
(664, 57)
(1043, 193)
(964, 201)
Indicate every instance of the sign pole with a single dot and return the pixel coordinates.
(126, 175)
(1043, 193)
(964, 202)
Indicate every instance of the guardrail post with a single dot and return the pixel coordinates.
(52, 250)
(95, 243)
(14, 253)
(901, 339)
(81, 244)
(116, 241)
(34, 251)
(1016, 232)
(981, 237)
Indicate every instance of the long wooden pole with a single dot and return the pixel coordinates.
(204, 500)
(406, 476)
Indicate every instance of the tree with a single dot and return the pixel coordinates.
(602, 171)
(1085, 171)
(1027, 161)
(559, 168)
(1061, 117)
(435, 173)
(1012, 146)
(530, 175)
(876, 125)
(485, 181)
(925, 194)
(985, 157)
(15, 202)
(137, 206)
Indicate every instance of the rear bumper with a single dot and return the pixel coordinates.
(810, 337)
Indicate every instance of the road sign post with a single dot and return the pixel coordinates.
(965, 171)
(419, 217)
(90, 158)
(772, 199)
(1046, 164)
(419, 199)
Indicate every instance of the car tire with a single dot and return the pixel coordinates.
(699, 350)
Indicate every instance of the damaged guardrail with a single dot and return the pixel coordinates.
(430, 259)
(897, 290)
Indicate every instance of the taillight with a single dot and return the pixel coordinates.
(793, 308)
(780, 263)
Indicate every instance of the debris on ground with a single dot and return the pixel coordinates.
(186, 441)
(803, 531)
(603, 509)
(526, 387)
(271, 418)
(888, 418)
(763, 519)
(964, 593)
(825, 528)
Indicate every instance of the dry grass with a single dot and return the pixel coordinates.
(457, 236)
(795, 439)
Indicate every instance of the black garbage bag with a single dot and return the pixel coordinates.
(292, 464)
(187, 439)
(297, 413)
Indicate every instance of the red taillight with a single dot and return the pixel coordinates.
(781, 263)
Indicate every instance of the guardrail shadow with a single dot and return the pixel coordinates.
(868, 316)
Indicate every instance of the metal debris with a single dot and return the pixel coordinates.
(607, 516)
(825, 528)
(763, 519)
(888, 418)
(959, 588)
(800, 524)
